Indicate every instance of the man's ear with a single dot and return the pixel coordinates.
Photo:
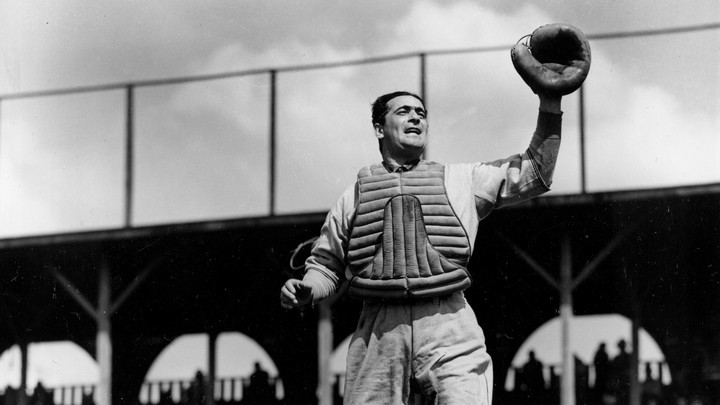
(378, 131)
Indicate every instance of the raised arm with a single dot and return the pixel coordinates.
(550, 104)
(554, 62)
(522, 176)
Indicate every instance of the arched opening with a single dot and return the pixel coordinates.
(179, 374)
(589, 335)
(62, 370)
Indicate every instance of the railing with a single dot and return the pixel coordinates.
(614, 388)
(658, 372)
(656, 386)
(62, 395)
(240, 390)
(229, 390)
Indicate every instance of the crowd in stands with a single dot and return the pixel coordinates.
(43, 396)
(611, 385)
(258, 389)
(535, 383)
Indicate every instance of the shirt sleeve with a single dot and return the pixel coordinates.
(325, 266)
(522, 176)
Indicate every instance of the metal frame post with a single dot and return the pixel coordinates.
(273, 135)
(129, 153)
(423, 77)
(423, 91)
(583, 175)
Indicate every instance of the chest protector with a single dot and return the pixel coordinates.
(406, 241)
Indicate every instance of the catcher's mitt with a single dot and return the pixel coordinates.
(555, 61)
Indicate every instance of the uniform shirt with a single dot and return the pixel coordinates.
(473, 189)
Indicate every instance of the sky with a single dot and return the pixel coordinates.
(201, 149)
(49, 362)
(651, 103)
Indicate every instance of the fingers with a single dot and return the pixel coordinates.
(287, 296)
(294, 294)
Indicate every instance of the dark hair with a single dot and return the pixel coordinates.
(380, 107)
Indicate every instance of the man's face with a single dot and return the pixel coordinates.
(404, 133)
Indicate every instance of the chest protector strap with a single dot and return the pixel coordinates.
(406, 241)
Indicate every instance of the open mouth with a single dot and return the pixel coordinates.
(413, 131)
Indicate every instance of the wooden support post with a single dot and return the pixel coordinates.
(567, 386)
(325, 340)
(635, 388)
(104, 344)
(102, 315)
(22, 391)
(212, 369)
(565, 288)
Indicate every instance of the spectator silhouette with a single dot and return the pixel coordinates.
(166, 396)
(41, 396)
(259, 391)
(11, 396)
(601, 361)
(533, 379)
(196, 390)
(651, 388)
(620, 383)
(88, 397)
(553, 396)
(581, 381)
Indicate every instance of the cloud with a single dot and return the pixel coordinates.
(48, 186)
(202, 148)
(313, 119)
(195, 159)
(49, 363)
(650, 140)
(640, 133)
(477, 101)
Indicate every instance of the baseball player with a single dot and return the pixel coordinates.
(402, 234)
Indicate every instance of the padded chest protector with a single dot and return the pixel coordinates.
(406, 241)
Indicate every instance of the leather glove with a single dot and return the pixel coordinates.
(555, 60)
